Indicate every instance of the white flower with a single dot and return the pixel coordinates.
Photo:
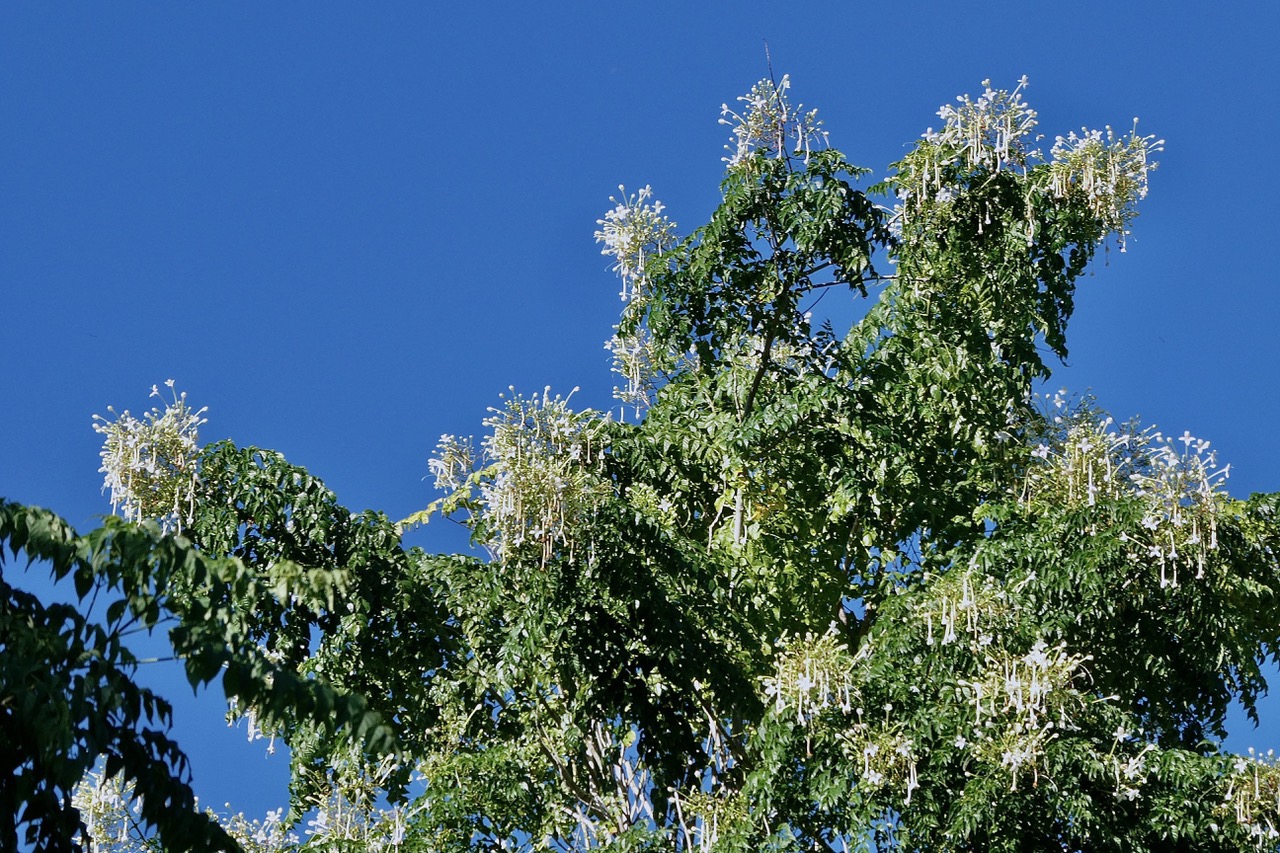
(1037, 657)
(320, 824)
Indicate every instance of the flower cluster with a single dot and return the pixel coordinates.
(349, 817)
(350, 812)
(706, 820)
(1180, 487)
(1086, 458)
(983, 136)
(1109, 173)
(1130, 770)
(633, 232)
(811, 674)
(1020, 702)
(887, 757)
(949, 616)
(990, 133)
(112, 819)
(968, 607)
(108, 811)
(269, 835)
(633, 360)
(654, 506)
(453, 463)
(150, 463)
(1082, 458)
(545, 483)
(770, 125)
(253, 730)
(815, 673)
(1252, 797)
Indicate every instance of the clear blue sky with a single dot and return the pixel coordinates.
(346, 228)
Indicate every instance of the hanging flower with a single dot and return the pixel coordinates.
(1107, 172)
(545, 483)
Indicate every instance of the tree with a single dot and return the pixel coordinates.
(869, 590)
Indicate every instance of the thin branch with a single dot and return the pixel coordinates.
(765, 355)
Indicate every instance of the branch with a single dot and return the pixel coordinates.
(755, 380)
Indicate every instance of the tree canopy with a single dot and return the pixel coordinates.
(819, 590)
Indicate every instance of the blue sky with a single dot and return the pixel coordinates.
(346, 228)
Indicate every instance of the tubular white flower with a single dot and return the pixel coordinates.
(811, 673)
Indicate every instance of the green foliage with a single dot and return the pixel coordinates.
(67, 686)
(333, 580)
(68, 695)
